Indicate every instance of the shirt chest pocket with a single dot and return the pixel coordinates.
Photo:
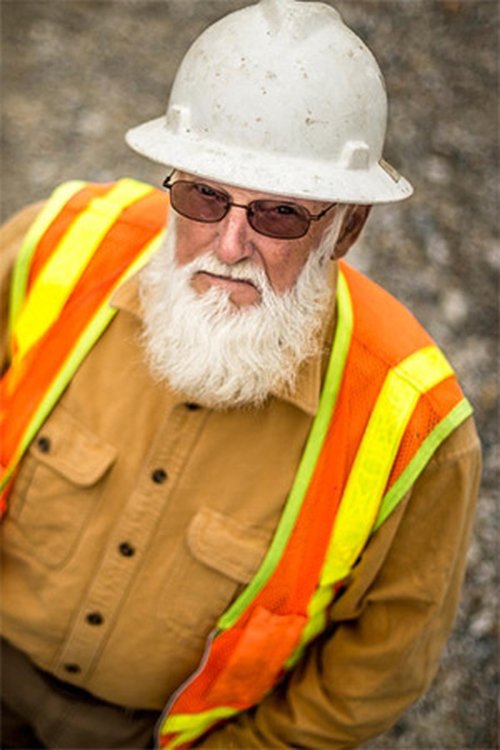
(219, 556)
(57, 489)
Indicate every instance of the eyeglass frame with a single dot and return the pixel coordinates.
(248, 208)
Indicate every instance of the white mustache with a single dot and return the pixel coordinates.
(242, 271)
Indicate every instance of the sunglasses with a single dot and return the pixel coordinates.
(279, 219)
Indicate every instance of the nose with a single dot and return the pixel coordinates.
(233, 241)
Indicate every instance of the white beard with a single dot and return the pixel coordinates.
(217, 354)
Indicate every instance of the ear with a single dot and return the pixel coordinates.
(353, 223)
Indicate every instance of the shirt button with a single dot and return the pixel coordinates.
(43, 444)
(95, 618)
(192, 407)
(159, 476)
(126, 549)
(72, 668)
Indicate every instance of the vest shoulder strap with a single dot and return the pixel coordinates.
(387, 335)
(59, 248)
(87, 241)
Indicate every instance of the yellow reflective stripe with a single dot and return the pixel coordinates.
(425, 368)
(402, 388)
(403, 483)
(317, 621)
(44, 219)
(191, 726)
(64, 268)
(309, 458)
(91, 333)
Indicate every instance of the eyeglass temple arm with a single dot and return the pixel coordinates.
(166, 181)
(317, 217)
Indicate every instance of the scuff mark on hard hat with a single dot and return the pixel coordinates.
(315, 121)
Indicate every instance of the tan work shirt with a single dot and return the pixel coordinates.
(137, 517)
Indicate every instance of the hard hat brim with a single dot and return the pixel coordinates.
(243, 167)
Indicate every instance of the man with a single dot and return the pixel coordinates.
(239, 476)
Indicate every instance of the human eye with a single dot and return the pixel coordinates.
(287, 209)
(204, 189)
(209, 193)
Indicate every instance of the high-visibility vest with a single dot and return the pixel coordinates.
(389, 400)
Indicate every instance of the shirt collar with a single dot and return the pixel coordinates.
(306, 392)
(126, 297)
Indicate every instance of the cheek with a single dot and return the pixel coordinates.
(192, 239)
(290, 259)
(286, 268)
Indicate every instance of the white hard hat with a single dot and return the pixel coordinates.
(279, 97)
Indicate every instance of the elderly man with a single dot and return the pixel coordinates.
(238, 476)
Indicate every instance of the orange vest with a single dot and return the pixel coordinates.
(389, 399)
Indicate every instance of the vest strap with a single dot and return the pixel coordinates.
(55, 349)
(21, 271)
(59, 276)
(457, 415)
(403, 386)
(309, 458)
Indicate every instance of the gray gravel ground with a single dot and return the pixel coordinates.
(78, 73)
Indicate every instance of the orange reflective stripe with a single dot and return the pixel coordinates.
(258, 657)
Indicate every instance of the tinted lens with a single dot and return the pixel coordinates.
(198, 201)
(276, 219)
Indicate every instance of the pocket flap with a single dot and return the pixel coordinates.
(72, 450)
(226, 544)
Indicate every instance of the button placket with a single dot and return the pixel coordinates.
(138, 520)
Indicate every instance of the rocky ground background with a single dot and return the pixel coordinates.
(78, 73)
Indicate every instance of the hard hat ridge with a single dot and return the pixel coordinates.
(292, 16)
(279, 97)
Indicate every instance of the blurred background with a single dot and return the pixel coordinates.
(76, 74)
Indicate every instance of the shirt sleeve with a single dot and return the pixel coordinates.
(11, 237)
(387, 629)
